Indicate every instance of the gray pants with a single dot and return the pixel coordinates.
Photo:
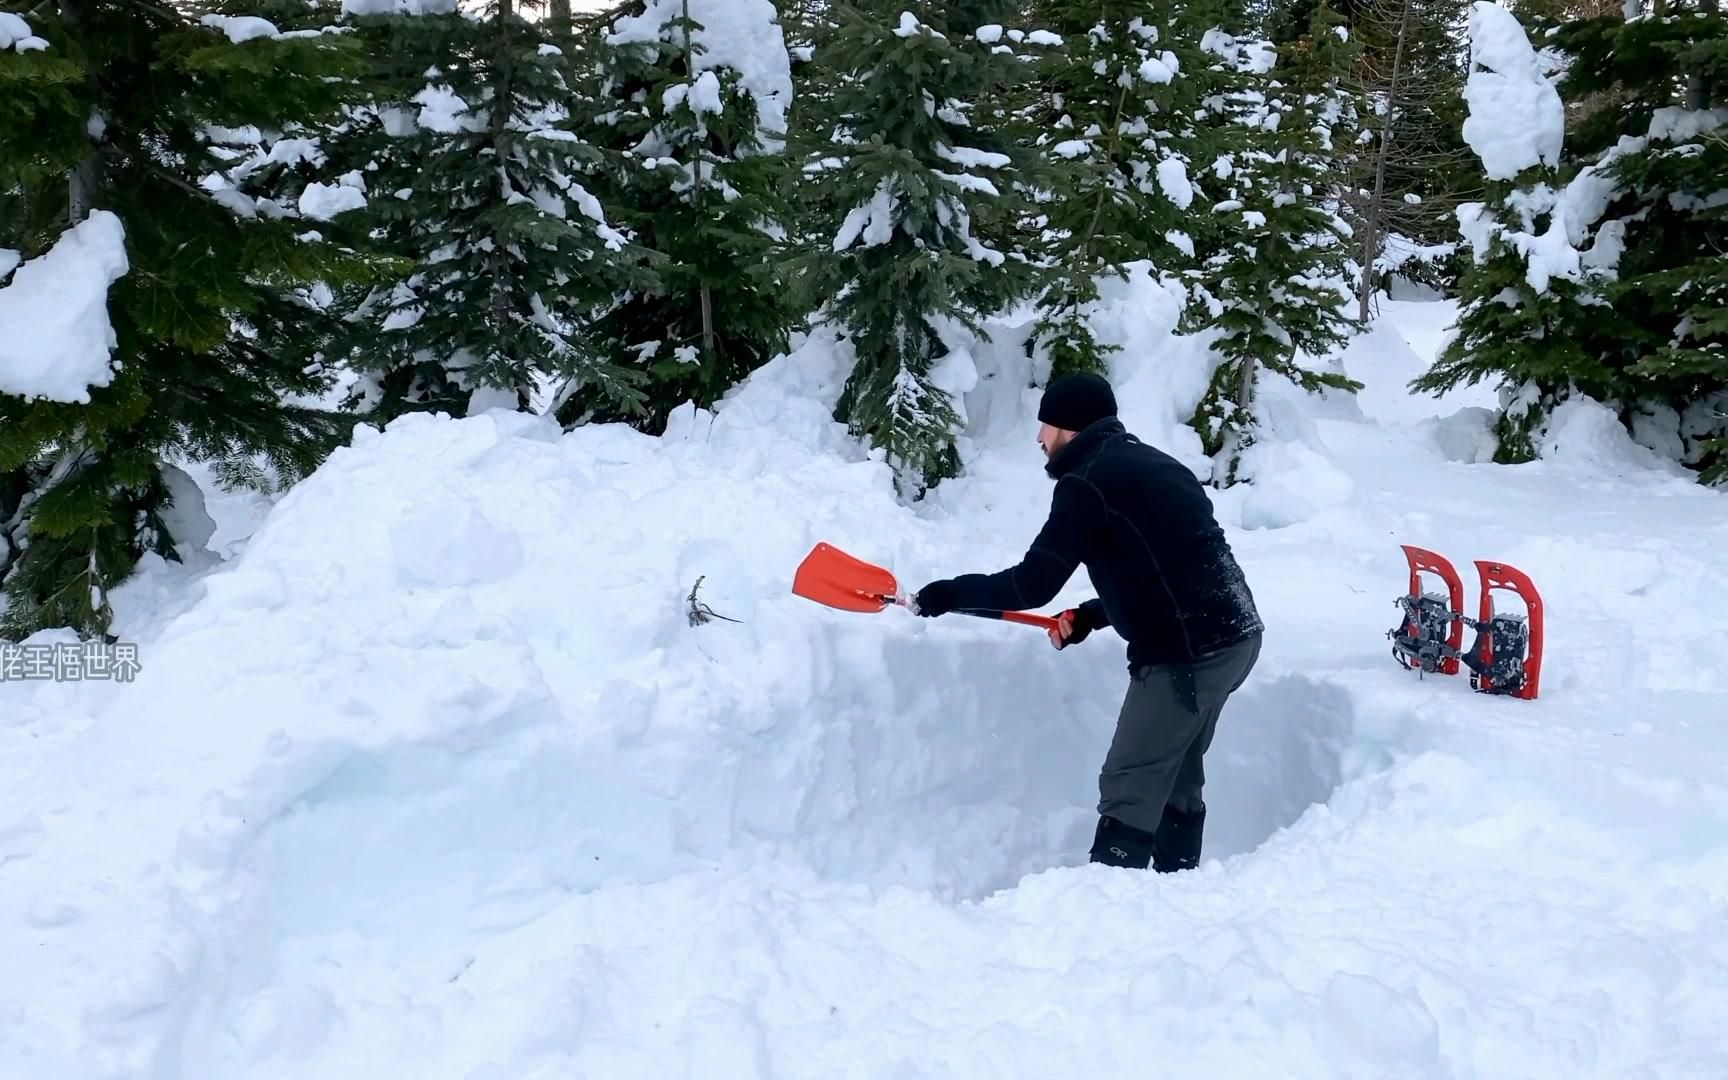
(1163, 732)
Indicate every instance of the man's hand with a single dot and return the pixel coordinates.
(1072, 627)
(936, 598)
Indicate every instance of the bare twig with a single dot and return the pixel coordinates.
(700, 612)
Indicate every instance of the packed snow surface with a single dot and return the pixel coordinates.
(55, 338)
(435, 778)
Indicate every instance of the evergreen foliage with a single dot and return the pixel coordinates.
(1117, 121)
(481, 186)
(1272, 279)
(901, 171)
(698, 176)
(1602, 275)
(127, 111)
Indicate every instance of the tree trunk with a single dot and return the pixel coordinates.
(84, 183)
(701, 151)
(500, 121)
(1371, 238)
(1697, 86)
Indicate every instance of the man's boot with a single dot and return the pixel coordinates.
(1176, 845)
(1118, 844)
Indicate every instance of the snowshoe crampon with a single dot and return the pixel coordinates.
(1429, 637)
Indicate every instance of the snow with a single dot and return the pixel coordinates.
(873, 221)
(1584, 431)
(241, 28)
(1398, 348)
(443, 110)
(981, 252)
(741, 35)
(705, 95)
(9, 261)
(15, 34)
(58, 340)
(1516, 119)
(187, 516)
(968, 182)
(1679, 125)
(1045, 38)
(435, 778)
(909, 26)
(321, 202)
(1159, 69)
(1273, 502)
(972, 158)
(398, 7)
(989, 34)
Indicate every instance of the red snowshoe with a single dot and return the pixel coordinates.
(1505, 658)
(1428, 639)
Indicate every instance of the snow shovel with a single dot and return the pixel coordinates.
(833, 578)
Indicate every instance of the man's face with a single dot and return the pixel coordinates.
(1052, 439)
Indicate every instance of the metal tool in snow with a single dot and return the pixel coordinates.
(833, 578)
(1505, 658)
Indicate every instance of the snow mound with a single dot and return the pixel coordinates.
(1466, 436)
(1585, 432)
(1291, 483)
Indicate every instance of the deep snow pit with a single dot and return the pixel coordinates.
(1279, 749)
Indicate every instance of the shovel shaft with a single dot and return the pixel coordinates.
(1024, 618)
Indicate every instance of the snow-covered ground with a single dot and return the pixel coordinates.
(433, 778)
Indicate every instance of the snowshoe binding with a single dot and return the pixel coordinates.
(1506, 657)
(1429, 637)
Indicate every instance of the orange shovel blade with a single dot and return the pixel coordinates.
(830, 576)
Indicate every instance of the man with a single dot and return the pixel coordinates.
(1167, 582)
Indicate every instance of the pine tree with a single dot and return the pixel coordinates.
(810, 28)
(903, 172)
(1415, 169)
(1118, 123)
(1664, 151)
(483, 189)
(1598, 274)
(1519, 304)
(1275, 258)
(699, 178)
(112, 148)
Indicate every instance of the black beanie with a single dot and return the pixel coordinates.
(1076, 402)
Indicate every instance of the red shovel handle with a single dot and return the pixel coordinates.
(1027, 618)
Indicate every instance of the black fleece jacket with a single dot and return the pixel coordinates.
(1142, 525)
